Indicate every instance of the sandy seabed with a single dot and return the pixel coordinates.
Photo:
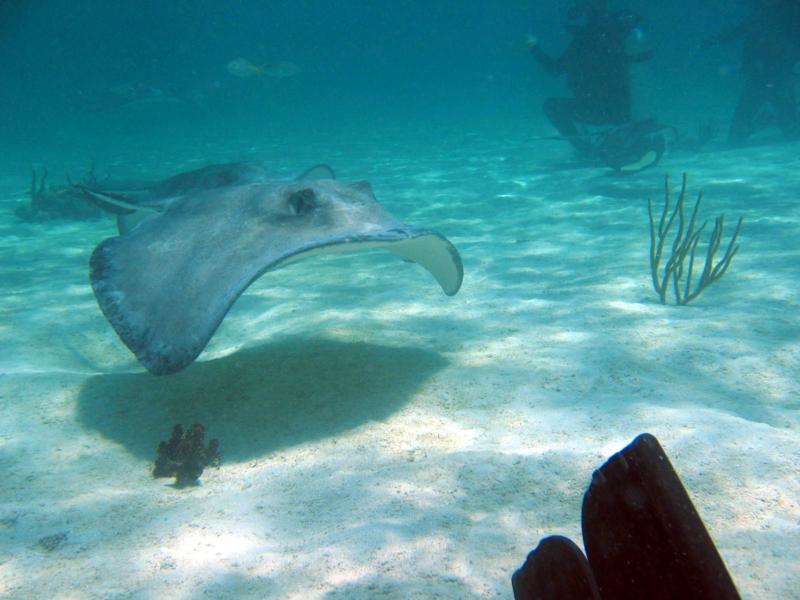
(381, 440)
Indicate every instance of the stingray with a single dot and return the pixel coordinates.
(192, 244)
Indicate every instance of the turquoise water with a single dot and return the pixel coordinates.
(380, 439)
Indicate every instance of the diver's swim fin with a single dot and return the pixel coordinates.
(643, 536)
(555, 570)
(643, 539)
(649, 159)
(627, 148)
(632, 147)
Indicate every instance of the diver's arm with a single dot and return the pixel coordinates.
(729, 35)
(553, 66)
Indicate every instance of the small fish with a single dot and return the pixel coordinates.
(244, 69)
(241, 67)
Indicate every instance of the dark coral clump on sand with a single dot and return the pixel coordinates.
(47, 202)
(184, 455)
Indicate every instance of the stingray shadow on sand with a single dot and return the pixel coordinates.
(257, 401)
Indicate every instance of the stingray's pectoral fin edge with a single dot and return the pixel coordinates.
(435, 253)
(157, 358)
(163, 351)
(318, 171)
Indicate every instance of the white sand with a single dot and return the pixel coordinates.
(381, 440)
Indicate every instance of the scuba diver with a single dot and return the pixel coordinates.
(596, 65)
(770, 49)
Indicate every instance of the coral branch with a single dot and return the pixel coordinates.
(684, 245)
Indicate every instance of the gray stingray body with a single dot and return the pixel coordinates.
(167, 283)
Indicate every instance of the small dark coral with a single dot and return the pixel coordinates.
(184, 456)
(52, 542)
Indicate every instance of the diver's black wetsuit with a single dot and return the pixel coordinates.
(596, 65)
(770, 49)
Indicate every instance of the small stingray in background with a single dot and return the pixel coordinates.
(191, 244)
(129, 94)
(244, 69)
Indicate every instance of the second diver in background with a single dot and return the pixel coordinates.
(770, 36)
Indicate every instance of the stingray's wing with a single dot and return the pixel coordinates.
(166, 286)
(429, 249)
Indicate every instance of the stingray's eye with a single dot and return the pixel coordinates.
(302, 202)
